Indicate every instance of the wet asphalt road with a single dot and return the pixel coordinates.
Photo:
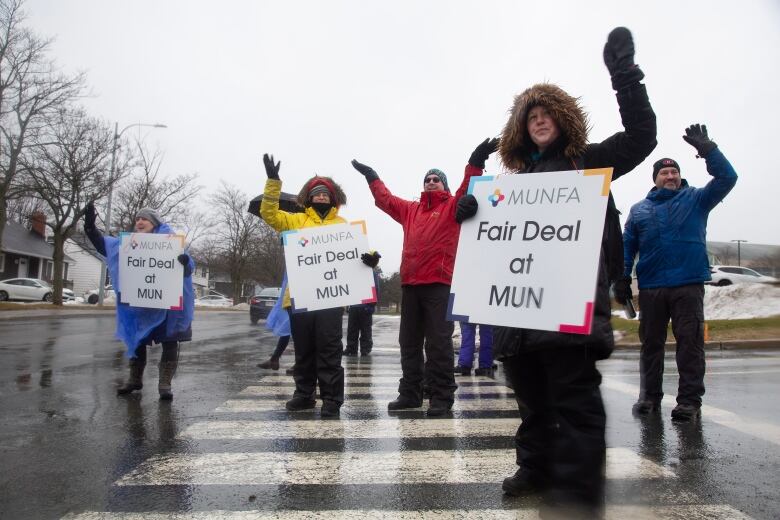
(69, 445)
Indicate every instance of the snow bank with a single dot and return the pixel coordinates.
(736, 302)
(741, 301)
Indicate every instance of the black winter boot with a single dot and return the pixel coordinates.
(167, 369)
(135, 381)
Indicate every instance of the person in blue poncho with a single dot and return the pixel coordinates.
(278, 322)
(139, 327)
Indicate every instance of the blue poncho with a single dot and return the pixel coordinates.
(278, 321)
(139, 325)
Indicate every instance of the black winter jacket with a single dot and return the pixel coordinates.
(623, 152)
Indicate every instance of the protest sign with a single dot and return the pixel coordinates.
(150, 274)
(324, 269)
(529, 257)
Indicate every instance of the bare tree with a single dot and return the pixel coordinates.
(173, 197)
(233, 242)
(69, 169)
(31, 91)
(19, 209)
(267, 267)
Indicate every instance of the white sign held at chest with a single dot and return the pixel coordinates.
(529, 257)
(324, 269)
(150, 274)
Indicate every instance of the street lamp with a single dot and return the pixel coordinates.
(739, 255)
(117, 135)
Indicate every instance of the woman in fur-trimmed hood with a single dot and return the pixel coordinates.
(337, 195)
(316, 334)
(561, 444)
(516, 147)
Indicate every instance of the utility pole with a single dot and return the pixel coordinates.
(739, 251)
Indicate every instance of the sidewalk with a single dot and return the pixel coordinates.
(78, 312)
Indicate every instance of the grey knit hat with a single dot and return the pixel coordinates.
(440, 174)
(149, 214)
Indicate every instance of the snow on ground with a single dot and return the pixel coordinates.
(741, 301)
(737, 302)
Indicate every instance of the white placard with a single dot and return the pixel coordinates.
(324, 269)
(150, 274)
(529, 258)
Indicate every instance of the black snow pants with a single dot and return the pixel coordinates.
(684, 306)
(318, 348)
(359, 325)
(423, 322)
(561, 440)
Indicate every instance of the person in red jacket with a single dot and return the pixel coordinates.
(430, 241)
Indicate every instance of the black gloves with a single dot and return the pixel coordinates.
(622, 289)
(370, 259)
(467, 208)
(696, 136)
(482, 152)
(271, 169)
(367, 171)
(619, 59)
(90, 216)
(184, 259)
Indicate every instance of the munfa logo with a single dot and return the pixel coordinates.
(133, 244)
(303, 241)
(496, 197)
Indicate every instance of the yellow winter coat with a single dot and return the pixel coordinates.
(284, 221)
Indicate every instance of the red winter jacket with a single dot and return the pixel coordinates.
(430, 230)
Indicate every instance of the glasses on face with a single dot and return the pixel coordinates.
(433, 180)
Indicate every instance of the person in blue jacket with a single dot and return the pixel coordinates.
(669, 231)
(278, 322)
(139, 327)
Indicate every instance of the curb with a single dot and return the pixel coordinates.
(736, 344)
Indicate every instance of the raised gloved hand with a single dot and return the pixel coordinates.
(482, 152)
(271, 169)
(696, 136)
(619, 59)
(622, 290)
(90, 215)
(371, 259)
(367, 171)
(467, 208)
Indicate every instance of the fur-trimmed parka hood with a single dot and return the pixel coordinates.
(337, 195)
(516, 147)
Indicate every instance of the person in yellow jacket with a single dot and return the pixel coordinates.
(317, 334)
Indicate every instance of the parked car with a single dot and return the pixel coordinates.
(31, 289)
(729, 274)
(261, 303)
(92, 296)
(214, 299)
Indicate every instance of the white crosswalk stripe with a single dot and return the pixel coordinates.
(270, 405)
(398, 467)
(717, 512)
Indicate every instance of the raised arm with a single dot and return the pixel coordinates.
(724, 176)
(394, 206)
(269, 206)
(94, 236)
(625, 150)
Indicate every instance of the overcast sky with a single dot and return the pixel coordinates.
(405, 86)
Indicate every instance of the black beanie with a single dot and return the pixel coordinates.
(664, 163)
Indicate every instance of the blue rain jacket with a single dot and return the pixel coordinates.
(669, 229)
(139, 325)
(278, 321)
